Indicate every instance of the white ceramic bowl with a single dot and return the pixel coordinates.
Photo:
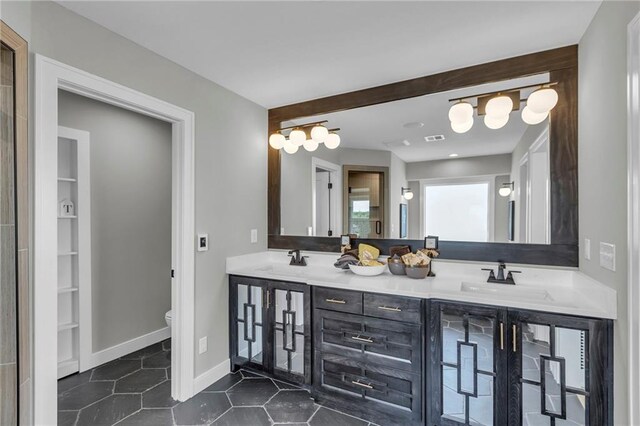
(368, 271)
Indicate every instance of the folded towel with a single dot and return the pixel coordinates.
(345, 260)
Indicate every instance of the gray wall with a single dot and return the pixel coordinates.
(230, 150)
(602, 167)
(456, 167)
(130, 217)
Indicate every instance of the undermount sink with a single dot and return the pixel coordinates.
(506, 291)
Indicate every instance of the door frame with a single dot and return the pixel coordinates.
(336, 199)
(633, 214)
(50, 76)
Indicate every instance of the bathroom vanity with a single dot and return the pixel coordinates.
(447, 350)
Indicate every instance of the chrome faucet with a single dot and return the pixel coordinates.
(296, 259)
(500, 279)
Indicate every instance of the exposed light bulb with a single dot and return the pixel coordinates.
(499, 106)
(310, 145)
(495, 123)
(319, 133)
(297, 136)
(333, 141)
(290, 147)
(461, 112)
(531, 117)
(462, 127)
(542, 100)
(277, 140)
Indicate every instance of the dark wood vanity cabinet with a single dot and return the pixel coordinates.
(368, 354)
(496, 366)
(270, 327)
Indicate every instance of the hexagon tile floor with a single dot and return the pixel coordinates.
(136, 390)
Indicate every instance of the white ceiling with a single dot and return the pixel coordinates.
(380, 127)
(277, 53)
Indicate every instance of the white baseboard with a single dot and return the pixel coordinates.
(211, 376)
(125, 348)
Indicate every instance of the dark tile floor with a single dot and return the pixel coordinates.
(136, 390)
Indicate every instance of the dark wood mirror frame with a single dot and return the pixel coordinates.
(561, 64)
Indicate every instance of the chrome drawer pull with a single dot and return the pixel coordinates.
(338, 301)
(387, 308)
(364, 385)
(362, 339)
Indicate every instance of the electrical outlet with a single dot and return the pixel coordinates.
(310, 231)
(254, 236)
(608, 256)
(203, 345)
(587, 248)
(203, 242)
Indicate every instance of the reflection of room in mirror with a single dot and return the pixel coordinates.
(484, 185)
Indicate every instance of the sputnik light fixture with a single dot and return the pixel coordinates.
(496, 107)
(309, 136)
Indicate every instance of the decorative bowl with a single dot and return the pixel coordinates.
(397, 268)
(368, 271)
(417, 272)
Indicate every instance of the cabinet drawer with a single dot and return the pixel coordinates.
(396, 308)
(337, 300)
(387, 343)
(370, 390)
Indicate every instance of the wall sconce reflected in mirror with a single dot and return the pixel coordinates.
(407, 193)
(506, 189)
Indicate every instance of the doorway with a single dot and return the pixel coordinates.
(365, 200)
(325, 198)
(50, 77)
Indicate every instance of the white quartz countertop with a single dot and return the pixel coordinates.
(558, 290)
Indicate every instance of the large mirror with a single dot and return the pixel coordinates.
(402, 172)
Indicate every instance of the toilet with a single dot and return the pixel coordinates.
(167, 318)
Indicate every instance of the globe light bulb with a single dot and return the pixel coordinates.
(408, 195)
(333, 141)
(290, 147)
(504, 191)
(531, 117)
(319, 133)
(542, 100)
(461, 112)
(499, 106)
(297, 136)
(495, 123)
(310, 145)
(277, 140)
(462, 127)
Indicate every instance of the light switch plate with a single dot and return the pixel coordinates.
(608, 256)
(203, 242)
(587, 248)
(203, 345)
(254, 236)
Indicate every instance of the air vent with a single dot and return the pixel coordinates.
(434, 138)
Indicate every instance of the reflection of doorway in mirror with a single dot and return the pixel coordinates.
(533, 193)
(365, 198)
(326, 199)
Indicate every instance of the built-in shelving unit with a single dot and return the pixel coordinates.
(74, 250)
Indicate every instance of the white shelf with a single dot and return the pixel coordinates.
(63, 290)
(67, 326)
(67, 217)
(67, 253)
(63, 179)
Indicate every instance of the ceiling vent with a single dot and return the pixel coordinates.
(434, 138)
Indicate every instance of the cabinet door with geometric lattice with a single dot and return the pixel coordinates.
(467, 376)
(559, 370)
(290, 331)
